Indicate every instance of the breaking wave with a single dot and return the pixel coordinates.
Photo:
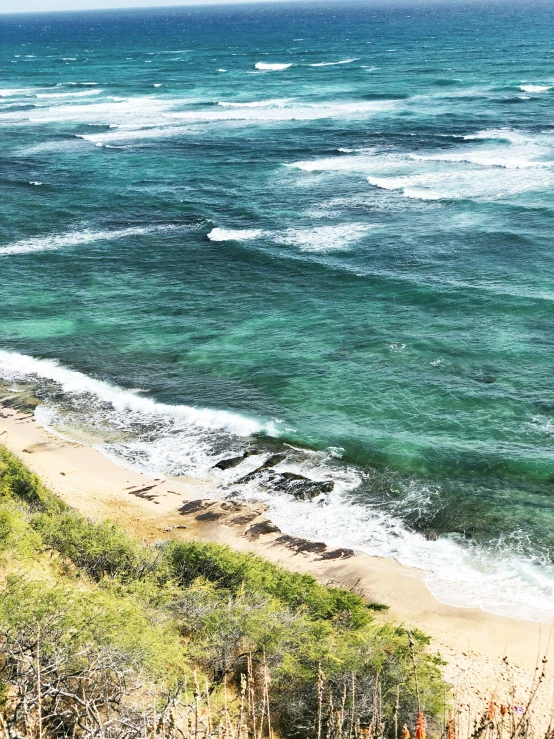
(140, 433)
(234, 234)
(75, 238)
(265, 67)
(333, 64)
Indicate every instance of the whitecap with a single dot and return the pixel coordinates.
(75, 238)
(482, 158)
(140, 123)
(234, 234)
(332, 64)
(272, 103)
(489, 172)
(265, 67)
(325, 238)
(535, 88)
(82, 93)
(7, 92)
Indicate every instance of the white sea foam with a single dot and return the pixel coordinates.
(151, 117)
(75, 238)
(285, 112)
(535, 88)
(82, 93)
(525, 163)
(274, 103)
(482, 158)
(339, 164)
(176, 123)
(498, 582)
(332, 64)
(325, 238)
(234, 234)
(265, 67)
(16, 92)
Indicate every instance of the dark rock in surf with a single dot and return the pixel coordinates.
(302, 488)
(194, 506)
(225, 464)
(246, 518)
(312, 547)
(209, 516)
(301, 545)
(232, 506)
(261, 529)
(338, 554)
(272, 461)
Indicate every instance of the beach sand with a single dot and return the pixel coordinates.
(473, 643)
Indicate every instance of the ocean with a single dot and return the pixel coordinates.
(322, 231)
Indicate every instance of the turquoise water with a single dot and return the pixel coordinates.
(319, 228)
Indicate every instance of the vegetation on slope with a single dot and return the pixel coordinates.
(102, 635)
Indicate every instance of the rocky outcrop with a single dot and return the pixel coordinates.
(300, 487)
(225, 464)
(270, 462)
(194, 506)
(338, 554)
(261, 529)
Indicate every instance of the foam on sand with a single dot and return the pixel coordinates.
(134, 431)
(496, 580)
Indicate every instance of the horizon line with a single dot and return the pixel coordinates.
(203, 3)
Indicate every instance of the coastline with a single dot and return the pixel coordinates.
(471, 641)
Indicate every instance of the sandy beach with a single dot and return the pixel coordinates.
(473, 643)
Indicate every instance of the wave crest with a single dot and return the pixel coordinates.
(266, 67)
(54, 242)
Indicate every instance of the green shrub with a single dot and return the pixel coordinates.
(100, 549)
(157, 609)
(19, 483)
(15, 532)
(231, 570)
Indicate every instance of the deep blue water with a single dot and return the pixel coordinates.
(325, 226)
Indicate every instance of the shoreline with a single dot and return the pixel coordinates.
(472, 642)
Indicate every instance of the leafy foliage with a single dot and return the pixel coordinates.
(145, 616)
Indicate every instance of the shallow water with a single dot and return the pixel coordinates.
(327, 227)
